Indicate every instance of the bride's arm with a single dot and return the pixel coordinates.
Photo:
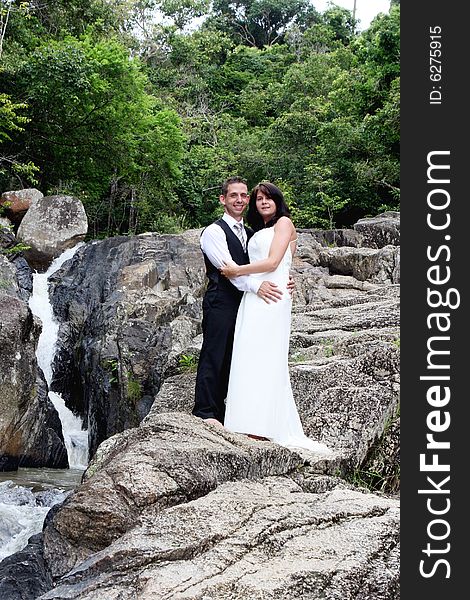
(282, 235)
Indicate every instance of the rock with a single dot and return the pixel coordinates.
(381, 230)
(334, 237)
(8, 282)
(365, 264)
(171, 459)
(17, 203)
(182, 509)
(24, 575)
(40, 429)
(51, 225)
(24, 277)
(30, 431)
(375, 265)
(7, 237)
(5, 224)
(128, 306)
(18, 336)
(266, 539)
(175, 395)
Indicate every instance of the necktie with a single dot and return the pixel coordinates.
(240, 234)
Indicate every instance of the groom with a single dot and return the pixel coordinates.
(221, 241)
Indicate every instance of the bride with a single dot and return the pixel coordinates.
(259, 401)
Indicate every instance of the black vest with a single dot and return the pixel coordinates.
(219, 288)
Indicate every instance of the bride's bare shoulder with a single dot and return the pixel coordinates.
(284, 223)
(285, 226)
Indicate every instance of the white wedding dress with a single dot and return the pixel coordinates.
(259, 398)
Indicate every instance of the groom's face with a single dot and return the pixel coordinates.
(236, 200)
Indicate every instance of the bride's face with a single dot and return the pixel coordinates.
(265, 206)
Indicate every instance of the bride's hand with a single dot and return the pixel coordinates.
(230, 269)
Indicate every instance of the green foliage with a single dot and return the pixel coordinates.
(259, 22)
(187, 363)
(12, 122)
(144, 127)
(384, 476)
(111, 367)
(104, 137)
(298, 357)
(328, 348)
(375, 481)
(165, 223)
(134, 389)
(184, 11)
(16, 249)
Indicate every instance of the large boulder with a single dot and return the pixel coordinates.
(381, 230)
(127, 306)
(374, 265)
(51, 225)
(181, 509)
(17, 203)
(18, 338)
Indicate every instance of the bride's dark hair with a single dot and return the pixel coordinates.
(254, 219)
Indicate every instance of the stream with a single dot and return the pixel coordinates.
(27, 495)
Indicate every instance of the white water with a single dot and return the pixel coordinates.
(27, 495)
(75, 437)
(22, 513)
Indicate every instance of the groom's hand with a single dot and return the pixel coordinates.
(291, 285)
(269, 292)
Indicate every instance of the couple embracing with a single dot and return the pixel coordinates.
(243, 378)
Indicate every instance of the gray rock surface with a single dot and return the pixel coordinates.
(51, 225)
(381, 230)
(181, 509)
(172, 507)
(129, 307)
(24, 574)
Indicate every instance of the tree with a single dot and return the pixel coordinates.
(93, 126)
(341, 21)
(5, 10)
(11, 121)
(258, 22)
(144, 118)
(184, 11)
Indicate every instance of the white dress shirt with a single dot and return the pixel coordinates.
(214, 245)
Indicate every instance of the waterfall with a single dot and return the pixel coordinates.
(75, 437)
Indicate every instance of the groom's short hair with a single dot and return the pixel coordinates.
(229, 181)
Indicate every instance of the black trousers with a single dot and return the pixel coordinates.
(218, 326)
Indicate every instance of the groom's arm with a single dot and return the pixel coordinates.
(214, 245)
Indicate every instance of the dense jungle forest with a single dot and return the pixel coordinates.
(141, 108)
